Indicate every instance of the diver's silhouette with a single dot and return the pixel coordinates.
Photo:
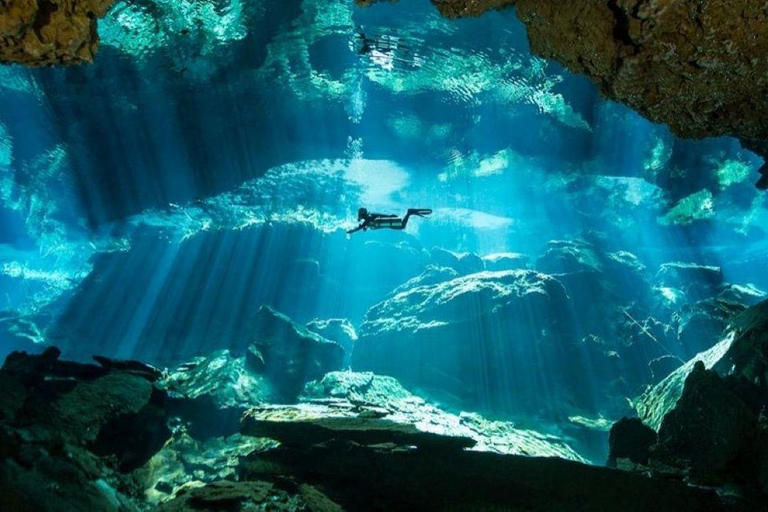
(386, 221)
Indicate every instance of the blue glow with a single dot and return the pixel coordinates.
(211, 159)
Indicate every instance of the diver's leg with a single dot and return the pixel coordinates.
(405, 219)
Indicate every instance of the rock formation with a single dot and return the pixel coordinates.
(50, 32)
(470, 337)
(112, 437)
(709, 414)
(398, 478)
(67, 429)
(291, 354)
(698, 67)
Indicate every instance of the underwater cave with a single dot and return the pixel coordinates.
(328, 255)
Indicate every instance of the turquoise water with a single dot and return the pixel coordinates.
(211, 159)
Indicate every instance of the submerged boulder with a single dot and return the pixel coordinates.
(739, 353)
(630, 439)
(710, 412)
(212, 393)
(384, 477)
(68, 431)
(485, 338)
(338, 330)
(710, 426)
(292, 355)
(594, 272)
(701, 324)
(221, 379)
(389, 399)
(314, 423)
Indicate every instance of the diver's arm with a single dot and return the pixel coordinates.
(364, 225)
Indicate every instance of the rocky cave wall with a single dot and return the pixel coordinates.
(699, 67)
(50, 32)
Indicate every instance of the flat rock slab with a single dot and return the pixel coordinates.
(379, 478)
(317, 422)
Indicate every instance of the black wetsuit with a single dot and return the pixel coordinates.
(387, 221)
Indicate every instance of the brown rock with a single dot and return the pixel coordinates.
(699, 67)
(50, 32)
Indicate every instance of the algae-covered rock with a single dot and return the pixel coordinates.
(184, 459)
(212, 393)
(220, 379)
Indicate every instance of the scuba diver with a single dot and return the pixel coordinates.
(385, 221)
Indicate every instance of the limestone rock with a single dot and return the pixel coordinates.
(657, 401)
(50, 32)
(630, 439)
(212, 393)
(702, 323)
(709, 428)
(184, 460)
(390, 399)
(431, 275)
(696, 281)
(386, 478)
(338, 330)
(505, 261)
(470, 337)
(221, 379)
(463, 264)
(236, 496)
(292, 354)
(314, 423)
(740, 353)
(68, 431)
